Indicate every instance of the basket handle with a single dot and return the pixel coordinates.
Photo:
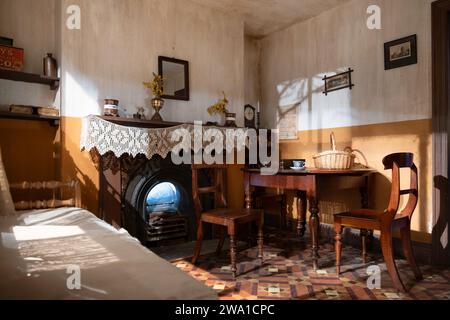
(359, 152)
(333, 141)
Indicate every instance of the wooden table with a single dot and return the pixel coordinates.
(308, 184)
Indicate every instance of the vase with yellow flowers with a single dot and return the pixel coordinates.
(156, 87)
(220, 109)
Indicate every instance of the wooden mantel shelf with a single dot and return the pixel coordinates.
(139, 123)
(29, 77)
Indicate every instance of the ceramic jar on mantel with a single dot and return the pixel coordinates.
(157, 104)
(50, 66)
(230, 119)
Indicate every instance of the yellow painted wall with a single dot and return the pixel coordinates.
(374, 142)
(30, 150)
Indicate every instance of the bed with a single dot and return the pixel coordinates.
(45, 252)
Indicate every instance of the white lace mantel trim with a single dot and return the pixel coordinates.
(107, 137)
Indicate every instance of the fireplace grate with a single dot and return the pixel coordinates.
(166, 226)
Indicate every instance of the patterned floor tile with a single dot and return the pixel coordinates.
(289, 276)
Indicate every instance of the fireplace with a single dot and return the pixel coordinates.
(158, 203)
(162, 213)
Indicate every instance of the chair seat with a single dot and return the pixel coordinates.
(364, 218)
(226, 216)
(358, 215)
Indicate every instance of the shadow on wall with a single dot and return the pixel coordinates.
(78, 165)
(441, 228)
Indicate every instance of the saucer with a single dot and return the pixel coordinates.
(298, 168)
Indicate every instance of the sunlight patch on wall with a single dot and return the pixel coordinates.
(322, 111)
(292, 92)
(80, 98)
(291, 95)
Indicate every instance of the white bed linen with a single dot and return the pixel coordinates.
(37, 248)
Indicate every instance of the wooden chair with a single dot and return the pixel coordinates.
(57, 190)
(388, 220)
(228, 219)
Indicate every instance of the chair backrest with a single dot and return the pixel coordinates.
(57, 190)
(217, 175)
(395, 162)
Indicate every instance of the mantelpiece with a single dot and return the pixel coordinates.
(140, 123)
(121, 146)
(152, 138)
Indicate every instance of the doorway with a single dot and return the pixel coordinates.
(441, 131)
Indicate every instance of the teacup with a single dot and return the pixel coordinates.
(299, 163)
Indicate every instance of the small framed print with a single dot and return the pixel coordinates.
(400, 53)
(339, 81)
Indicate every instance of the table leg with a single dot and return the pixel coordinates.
(301, 212)
(233, 250)
(248, 192)
(314, 224)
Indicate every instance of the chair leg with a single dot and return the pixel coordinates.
(249, 238)
(388, 254)
(261, 241)
(221, 240)
(338, 228)
(405, 234)
(198, 245)
(233, 255)
(364, 234)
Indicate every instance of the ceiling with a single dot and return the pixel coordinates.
(263, 17)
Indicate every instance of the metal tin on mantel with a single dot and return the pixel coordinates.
(111, 107)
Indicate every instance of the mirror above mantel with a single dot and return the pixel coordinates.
(175, 73)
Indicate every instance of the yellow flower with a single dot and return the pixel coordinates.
(220, 106)
(156, 85)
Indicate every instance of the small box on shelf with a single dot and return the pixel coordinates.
(6, 41)
(11, 58)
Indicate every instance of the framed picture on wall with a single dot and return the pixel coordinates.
(400, 53)
(339, 81)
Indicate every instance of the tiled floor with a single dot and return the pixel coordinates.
(289, 275)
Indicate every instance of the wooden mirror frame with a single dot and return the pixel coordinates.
(185, 63)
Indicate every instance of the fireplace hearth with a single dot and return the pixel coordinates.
(158, 206)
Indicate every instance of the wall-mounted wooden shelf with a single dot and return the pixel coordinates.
(53, 120)
(30, 78)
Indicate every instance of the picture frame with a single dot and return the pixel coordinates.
(400, 53)
(339, 81)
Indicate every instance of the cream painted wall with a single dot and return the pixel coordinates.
(294, 61)
(252, 51)
(118, 46)
(32, 25)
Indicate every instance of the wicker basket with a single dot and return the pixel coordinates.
(333, 159)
